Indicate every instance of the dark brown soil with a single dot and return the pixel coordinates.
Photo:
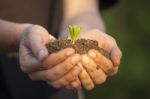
(81, 46)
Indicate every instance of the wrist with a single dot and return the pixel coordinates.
(16, 33)
(9, 35)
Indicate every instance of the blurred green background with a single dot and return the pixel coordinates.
(129, 23)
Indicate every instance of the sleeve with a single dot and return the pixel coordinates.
(105, 4)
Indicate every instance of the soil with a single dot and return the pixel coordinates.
(81, 46)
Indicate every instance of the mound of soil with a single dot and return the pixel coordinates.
(81, 46)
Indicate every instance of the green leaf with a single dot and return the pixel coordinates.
(74, 32)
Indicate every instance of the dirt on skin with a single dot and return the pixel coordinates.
(81, 46)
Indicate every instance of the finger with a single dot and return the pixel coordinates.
(85, 79)
(36, 44)
(104, 63)
(88, 63)
(90, 67)
(56, 58)
(57, 71)
(97, 75)
(62, 68)
(115, 70)
(76, 84)
(27, 61)
(116, 56)
(110, 46)
(68, 78)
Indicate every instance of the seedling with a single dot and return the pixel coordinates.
(74, 31)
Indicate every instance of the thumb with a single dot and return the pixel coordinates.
(42, 53)
(38, 49)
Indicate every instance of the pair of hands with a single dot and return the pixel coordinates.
(67, 68)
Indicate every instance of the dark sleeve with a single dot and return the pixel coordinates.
(105, 4)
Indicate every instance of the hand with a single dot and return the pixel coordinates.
(107, 43)
(57, 69)
(97, 67)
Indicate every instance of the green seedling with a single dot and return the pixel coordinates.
(74, 31)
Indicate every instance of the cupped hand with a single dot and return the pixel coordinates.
(96, 67)
(105, 42)
(57, 69)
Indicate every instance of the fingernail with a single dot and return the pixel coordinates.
(70, 52)
(85, 60)
(92, 54)
(42, 54)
